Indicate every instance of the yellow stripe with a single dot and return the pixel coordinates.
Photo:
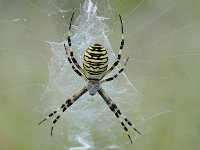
(96, 52)
(105, 56)
(86, 54)
(94, 66)
(96, 60)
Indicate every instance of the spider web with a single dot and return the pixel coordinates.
(159, 92)
(89, 28)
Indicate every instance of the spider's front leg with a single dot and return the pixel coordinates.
(120, 50)
(71, 53)
(113, 107)
(73, 67)
(64, 106)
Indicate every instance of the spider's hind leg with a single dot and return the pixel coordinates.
(51, 114)
(64, 106)
(67, 104)
(113, 107)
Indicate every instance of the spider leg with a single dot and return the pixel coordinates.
(64, 106)
(73, 67)
(68, 103)
(51, 114)
(113, 107)
(120, 50)
(116, 75)
(71, 53)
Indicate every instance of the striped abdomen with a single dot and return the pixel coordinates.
(95, 62)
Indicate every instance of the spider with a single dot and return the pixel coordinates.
(95, 67)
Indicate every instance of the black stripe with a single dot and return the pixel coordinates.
(74, 60)
(121, 70)
(93, 79)
(94, 73)
(97, 49)
(95, 63)
(71, 21)
(119, 57)
(69, 60)
(78, 72)
(64, 109)
(121, 23)
(95, 67)
(91, 58)
(95, 55)
(98, 45)
(109, 79)
(122, 44)
(116, 63)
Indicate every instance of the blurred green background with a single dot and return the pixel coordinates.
(162, 39)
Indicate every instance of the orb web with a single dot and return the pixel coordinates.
(162, 40)
(88, 117)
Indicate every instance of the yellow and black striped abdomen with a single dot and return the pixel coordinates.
(95, 62)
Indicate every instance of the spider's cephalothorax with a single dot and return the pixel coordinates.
(95, 66)
(93, 87)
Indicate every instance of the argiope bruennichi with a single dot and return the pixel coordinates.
(95, 66)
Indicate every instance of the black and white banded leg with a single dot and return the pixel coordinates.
(113, 107)
(71, 53)
(73, 67)
(64, 106)
(120, 50)
(116, 75)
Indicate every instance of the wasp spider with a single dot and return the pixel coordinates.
(94, 69)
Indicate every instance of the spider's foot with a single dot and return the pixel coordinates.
(42, 121)
(137, 131)
(52, 131)
(130, 139)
